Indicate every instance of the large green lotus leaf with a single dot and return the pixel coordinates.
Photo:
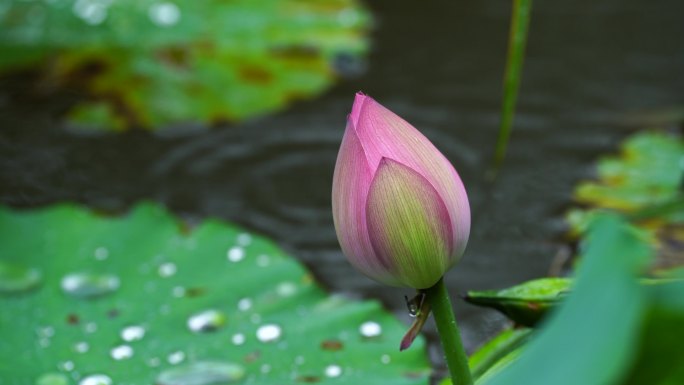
(593, 336)
(152, 63)
(145, 299)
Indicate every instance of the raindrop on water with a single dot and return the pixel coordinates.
(133, 333)
(164, 14)
(96, 379)
(202, 373)
(167, 269)
(206, 321)
(238, 339)
(176, 357)
(370, 329)
(333, 371)
(121, 352)
(268, 333)
(84, 285)
(17, 279)
(236, 254)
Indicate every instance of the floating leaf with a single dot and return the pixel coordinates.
(527, 303)
(643, 182)
(212, 305)
(593, 336)
(154, 63)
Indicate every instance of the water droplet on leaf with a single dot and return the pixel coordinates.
(164, 14)
(81, 347)
(96, 379)
(244, 304)
(52, 379)
(206, 321)
(101, 253)
(17, 279)
(85, 285)
(268, 333)
(133, 333)
(167, 269)
(238, 339)
(121, 352)
(202, 373)
(385, 359)
(236, 254)
(333, 371)
(176, 357)
(370, 329)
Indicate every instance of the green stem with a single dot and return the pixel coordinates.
(455, 355)
(520, 19)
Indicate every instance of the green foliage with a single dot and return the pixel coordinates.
(527, 303)
(144, 299)
(151, 63)
(592, 338)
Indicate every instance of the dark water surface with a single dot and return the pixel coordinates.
(439, 65)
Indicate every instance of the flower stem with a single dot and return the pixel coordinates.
(455, 355)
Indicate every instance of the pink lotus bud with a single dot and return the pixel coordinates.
(400, 209)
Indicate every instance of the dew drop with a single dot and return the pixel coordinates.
(18, 279)
(236, 254)
(167, 269)
(101, 253)
(132, 333)
(67, 366)
(244, 239)
(96, 379)
(370, 329)
(121, 352)
(263, 260)
(206, 321)
(238, 339)
(81, 347)
(202, 373)
(286, 289)
(52, 379)
(244, 304)
(93, 12)
(91, 327)
(333, 371)
(176, 357)
(178, 291)
(84, 285)
(268, 333)
(385, 359)
(164, 14)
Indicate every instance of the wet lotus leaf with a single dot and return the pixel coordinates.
(154, 63)
(142, 299)
(644, 182)
(527, 303)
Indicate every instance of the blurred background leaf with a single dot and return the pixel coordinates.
(155, 63)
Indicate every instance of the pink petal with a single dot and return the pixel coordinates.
(409, 224)
(383, 134)
(351, 182)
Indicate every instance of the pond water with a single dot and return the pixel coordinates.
(594, 71)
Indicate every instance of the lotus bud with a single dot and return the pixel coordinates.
(400, 209)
